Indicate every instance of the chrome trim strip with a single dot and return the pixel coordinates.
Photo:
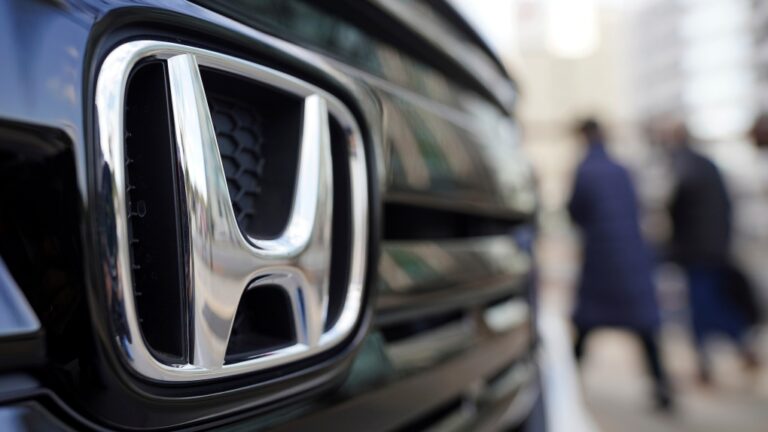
(418, 18)
(223, 262)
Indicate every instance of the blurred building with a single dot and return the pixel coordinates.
(760, 31)
(695, 58)
(656, 48)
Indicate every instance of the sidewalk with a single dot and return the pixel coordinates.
(611, 391)
(617, 389)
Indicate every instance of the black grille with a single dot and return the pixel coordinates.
(40, 238)
(154, 214)
(239, 132)
(258, 129)
(263, 323)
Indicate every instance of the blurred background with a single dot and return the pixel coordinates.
(629, 63)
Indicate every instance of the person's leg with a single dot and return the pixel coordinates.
(749, 357)
(662, 388)
(701, 289)
(733, 319)
(578, 346)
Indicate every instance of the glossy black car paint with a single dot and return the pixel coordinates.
(51, 56)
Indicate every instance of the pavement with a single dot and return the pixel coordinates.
(611, 390)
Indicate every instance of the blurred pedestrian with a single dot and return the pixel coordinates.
(760, 132)
(759, 135)
(616, 288)
(700, 212)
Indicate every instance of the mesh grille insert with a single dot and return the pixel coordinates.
(258, 130)
(239, 132)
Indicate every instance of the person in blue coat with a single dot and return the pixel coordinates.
(616, 288)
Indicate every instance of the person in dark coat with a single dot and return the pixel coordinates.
(616, 288)
(700, 211)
